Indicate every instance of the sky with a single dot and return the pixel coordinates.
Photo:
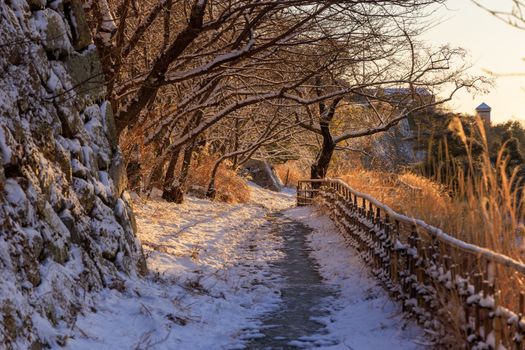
(492, 45)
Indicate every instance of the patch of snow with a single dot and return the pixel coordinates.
(274, 201)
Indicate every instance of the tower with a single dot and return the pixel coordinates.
(483, 111)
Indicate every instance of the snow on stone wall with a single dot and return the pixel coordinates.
(66, 226)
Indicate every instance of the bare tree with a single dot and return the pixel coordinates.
(178, 68)
(253, 134)
(514, 15)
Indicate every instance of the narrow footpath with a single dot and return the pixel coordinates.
(303, 293)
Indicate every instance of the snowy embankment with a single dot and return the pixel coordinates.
(210, 278)
(363, 316)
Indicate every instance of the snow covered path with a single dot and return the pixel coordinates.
(244, 277)
(303, 294)
(361, 316)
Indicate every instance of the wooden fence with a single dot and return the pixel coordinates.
(446, 283)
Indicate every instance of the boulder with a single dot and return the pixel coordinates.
(86, 74)
(54, 32)
(81, 33)
(263, 174)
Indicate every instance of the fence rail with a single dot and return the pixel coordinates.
(443, 281)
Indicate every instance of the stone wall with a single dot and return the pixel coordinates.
(66, 226)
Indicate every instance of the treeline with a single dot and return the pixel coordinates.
(245, 79)
(460, 147)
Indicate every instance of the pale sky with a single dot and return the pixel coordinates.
(492, 45)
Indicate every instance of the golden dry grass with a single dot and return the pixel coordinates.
(407, 193)
(229, 186)
(485, 209)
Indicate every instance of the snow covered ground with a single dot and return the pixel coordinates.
(209, 261)
(212, 280)
(363, 316)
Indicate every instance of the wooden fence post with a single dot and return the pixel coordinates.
(518, 339)
(395, 235)
(498, 326)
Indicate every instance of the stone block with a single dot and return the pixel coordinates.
(81, 33)
(86, 74)
(54, 33)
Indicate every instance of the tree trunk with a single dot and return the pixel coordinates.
(174, 189)
(134, 169)
(147, 91)
(322, 161)
(210, 193)
(156, 177)
(319, 169)
(169, 178)
(236, 144)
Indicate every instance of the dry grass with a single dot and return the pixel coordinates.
(486, 207)
(230, 187)
(407, 194)
(291, 172)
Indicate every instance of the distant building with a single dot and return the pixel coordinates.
(483, 111)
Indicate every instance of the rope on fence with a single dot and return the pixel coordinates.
(428, 270)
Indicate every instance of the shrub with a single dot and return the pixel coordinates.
(230, 187)
(290, 173)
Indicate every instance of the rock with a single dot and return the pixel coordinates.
(37, 4)
(263, 174)
(63, 158)
(80, 27)
(56, 233)
(71, 121)
(117, 172)
(32, 269)
(103, 160)
(6, 145)
(8, 318)
(54, 33)
(57, 237)
(36, 345)
(69, 221)
(37, 244)
(106, 229)
(16, 56)
(95, 129)
(85, 192)
(86, 75)
(110, 128)
(126, 198)
(90, 160)
(78, 169)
